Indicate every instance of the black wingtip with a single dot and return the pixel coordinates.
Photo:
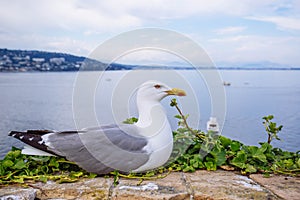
(14, 133)
(39, 132)
(35, 132)
(32, 138)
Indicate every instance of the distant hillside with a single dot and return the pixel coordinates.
(42, 54)
(27, 60)
(262, 65)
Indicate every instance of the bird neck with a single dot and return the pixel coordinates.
(152, 117)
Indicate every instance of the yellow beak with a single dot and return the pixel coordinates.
(176, 91)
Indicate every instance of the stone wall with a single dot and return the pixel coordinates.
(209, 185)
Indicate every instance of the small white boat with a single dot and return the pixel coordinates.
(226, 83)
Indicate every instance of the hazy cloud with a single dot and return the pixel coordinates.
(78, 26)
(282, 23)
(247, 48)
(230, 30)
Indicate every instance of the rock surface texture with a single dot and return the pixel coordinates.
(206, 185)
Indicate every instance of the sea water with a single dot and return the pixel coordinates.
(45, 101)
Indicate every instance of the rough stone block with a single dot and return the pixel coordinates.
(220, 184)
(15, 193)
(171, 187)
(284, 186)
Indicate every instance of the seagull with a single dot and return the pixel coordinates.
(138, 147)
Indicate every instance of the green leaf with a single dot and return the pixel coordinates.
(45, 169)
(173, 102)
(266, 147)
(288, 163)
(257, 153)
(269, 117)
(225, 141)
(53, 163)
(240, 160)
(270, 156)
(12, 155)
(266, 175)
(188, 168)
(40, 158)
(298, 162)
(250, 169)
(131, 120)
(250, 149)
(196, 162)
(219, 155)
(260, 156)
(43, 178)
(116, 177)
(2, 170)
(19, 165)
(178, 116)
(76, 174)
(92, 175)
(210, 166)
(7, 163)
(235, 146)
(150, 173)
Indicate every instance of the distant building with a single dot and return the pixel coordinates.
(45, 67)
(38, 60)
(57, 61)
(17, 58)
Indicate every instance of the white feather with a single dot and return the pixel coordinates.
(29, 150)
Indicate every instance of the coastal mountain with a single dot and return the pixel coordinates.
(261, 65)
(29, 60)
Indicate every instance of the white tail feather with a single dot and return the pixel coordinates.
(29, 150)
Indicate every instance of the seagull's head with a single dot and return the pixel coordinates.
(156, 91)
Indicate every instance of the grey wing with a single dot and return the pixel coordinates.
(101, 150)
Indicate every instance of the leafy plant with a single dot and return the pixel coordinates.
(193, 150)
(131, 120)
(271, 128)
(18, 168)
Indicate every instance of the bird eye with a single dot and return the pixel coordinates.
(157, 86)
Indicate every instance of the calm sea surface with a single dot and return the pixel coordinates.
(44, 101)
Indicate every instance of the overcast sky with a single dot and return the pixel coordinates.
(229, 30)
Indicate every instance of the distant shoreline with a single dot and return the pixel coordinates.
(145, 68)
(155, 68)
(42, 61)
